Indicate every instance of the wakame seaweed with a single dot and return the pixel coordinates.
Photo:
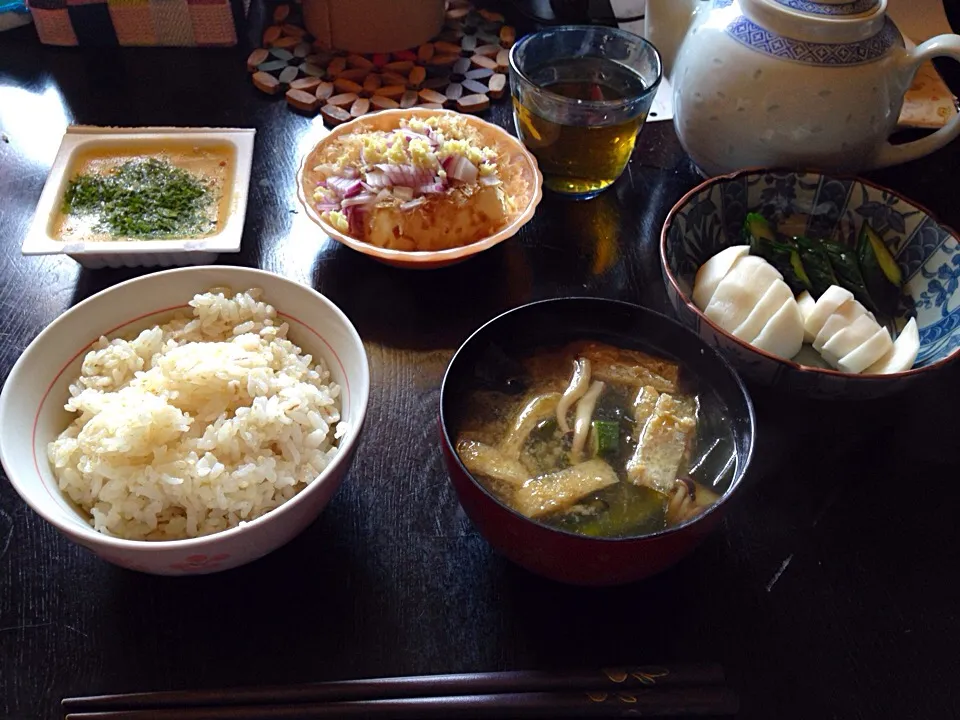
(144, 199)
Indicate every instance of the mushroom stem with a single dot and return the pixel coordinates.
(579, 383)
(585, 408)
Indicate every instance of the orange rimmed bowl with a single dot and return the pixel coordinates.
(419, 259)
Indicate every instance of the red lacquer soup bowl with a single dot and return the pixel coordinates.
(559, 554)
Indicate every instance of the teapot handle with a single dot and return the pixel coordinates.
(940, 46)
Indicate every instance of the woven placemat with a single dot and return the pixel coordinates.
(464, 68)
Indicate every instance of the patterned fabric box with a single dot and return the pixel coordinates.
(137, 22)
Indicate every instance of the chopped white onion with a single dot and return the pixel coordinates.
(363, 198)
(403, 193)
(377, 180)
(462, 170)
(414, 203)
(406, 174)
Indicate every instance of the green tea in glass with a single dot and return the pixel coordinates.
(580, 97)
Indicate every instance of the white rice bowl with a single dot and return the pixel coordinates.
(198, 425)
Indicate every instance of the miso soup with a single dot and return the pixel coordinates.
(596, 439)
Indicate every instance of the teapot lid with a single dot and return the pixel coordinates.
(831, 8)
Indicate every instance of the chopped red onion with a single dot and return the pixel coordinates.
(432, 188)
(356, 219)
(328, 207)
(489, 180)
(345, 187)
(351, 172)
(337, 183)
(406, 174)
(384, 195)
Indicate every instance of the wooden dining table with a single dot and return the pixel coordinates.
(830, 591)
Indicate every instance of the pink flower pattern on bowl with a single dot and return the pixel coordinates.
(200, 563)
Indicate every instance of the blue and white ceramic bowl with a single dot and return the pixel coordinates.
(710, 217)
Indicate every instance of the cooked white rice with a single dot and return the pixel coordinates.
(198, 425)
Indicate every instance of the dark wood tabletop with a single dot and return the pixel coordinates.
(829, 592)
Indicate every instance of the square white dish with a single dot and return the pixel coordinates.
(41, 239)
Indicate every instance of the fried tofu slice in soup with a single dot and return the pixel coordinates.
(629, 367)
(561, 490)
(482, 459)
(537, 408)
(663, 444)
(644, 406)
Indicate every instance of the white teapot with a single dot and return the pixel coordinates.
(815, 84)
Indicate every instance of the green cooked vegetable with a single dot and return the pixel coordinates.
(882, 275)
(782, 254)
(801, 281)
(785, 257)
(844, 262)
(143, 199)
(757, 226)
(605, 437)
(817, 264)
(617, 511)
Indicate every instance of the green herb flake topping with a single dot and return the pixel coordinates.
(143, 199)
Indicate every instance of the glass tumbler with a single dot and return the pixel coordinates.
(580, 96)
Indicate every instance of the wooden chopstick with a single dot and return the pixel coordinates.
(667, 702)
(424, 686)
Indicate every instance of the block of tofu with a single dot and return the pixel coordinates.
(629, 367)
(482, 459)
(561, 490)
(663, 445)
(438, 224)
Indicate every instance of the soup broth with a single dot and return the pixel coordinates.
(596, 439)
